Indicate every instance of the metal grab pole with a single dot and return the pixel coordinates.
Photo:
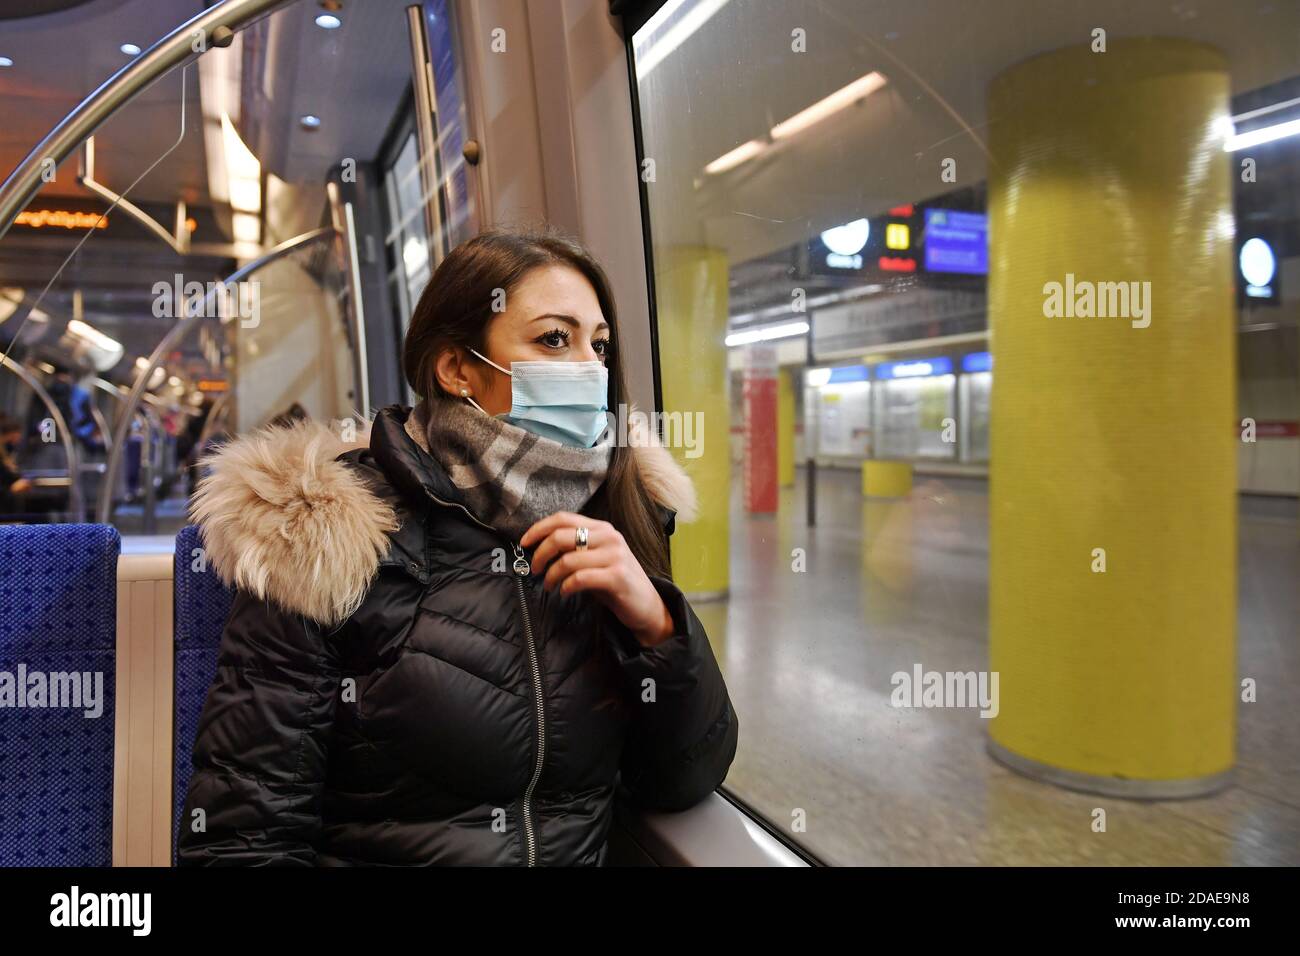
(350, 264)
(426, 128)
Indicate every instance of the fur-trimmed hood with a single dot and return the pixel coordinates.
(287, 519)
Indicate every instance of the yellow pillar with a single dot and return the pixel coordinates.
(886, 479)
(691, 293)
(785, 427)
(1112, 442)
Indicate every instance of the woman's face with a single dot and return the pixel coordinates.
(551, 315)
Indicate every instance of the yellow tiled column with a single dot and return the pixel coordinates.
(1112, 606)
(691, 293)
(785, 428)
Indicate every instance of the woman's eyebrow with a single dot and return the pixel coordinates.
(568, 320)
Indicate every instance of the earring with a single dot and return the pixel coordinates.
(464, 393)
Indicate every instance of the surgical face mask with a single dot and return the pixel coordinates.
(563, 401)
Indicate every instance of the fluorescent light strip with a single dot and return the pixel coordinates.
(657, 49)
(786, 330)
(89, 333)
(735, 157)
(842, 98)
(1265, 110)
(830, 298)
(1257, 136)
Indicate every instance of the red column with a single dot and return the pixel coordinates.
(760, 429)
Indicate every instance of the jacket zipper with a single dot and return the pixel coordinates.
(530, 836)
(521, 569)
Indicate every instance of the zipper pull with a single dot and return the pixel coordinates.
(521, 562)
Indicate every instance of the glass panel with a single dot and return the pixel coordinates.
(192, 181)
(1027, 288)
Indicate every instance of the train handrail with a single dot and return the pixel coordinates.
(176, 48)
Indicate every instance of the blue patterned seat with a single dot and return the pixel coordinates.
(201, 607)
(58, 616)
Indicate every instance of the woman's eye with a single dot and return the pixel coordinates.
(602, 347)
(555, 339)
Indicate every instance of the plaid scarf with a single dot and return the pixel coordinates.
(509, 477)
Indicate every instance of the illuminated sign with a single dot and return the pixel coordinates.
(1258, 267)
(848, 239)
(956, 241)
(212, 385)
(917, 368)
(977, 362)
(41, 218)
(898, 236)
(897, 264)
(847, 373)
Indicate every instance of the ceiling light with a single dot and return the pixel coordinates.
(5, 61)
(735, 157)
(102, 351)
(247, 228)
(310, 122)
(1257, 136)
(327, 21)
(240, 161)
(246, 195)
(652, 50)
(841, 98)
(785, 330)
(845, 96)
(130, 49)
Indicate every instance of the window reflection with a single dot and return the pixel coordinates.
(1020, 290)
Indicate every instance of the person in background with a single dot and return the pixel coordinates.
(74, 403)
(187, 444)
(13, 486)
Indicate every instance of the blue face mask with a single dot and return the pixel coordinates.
(563, 401)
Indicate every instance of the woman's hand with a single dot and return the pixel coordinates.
(606, 567)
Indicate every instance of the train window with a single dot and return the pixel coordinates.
(408, 243)
(990, 326)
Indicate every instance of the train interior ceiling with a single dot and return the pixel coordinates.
(827, 223)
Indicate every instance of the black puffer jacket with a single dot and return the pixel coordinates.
(391, 692)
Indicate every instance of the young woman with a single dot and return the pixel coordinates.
(450, 645)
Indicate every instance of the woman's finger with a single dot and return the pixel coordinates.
(572, 561)
(540, 529)
(564, 539)
(590, 579)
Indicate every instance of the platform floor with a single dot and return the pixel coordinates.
(807, 659)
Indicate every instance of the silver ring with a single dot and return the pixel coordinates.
(580, 539)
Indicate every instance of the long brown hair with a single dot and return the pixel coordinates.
(455, 309)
